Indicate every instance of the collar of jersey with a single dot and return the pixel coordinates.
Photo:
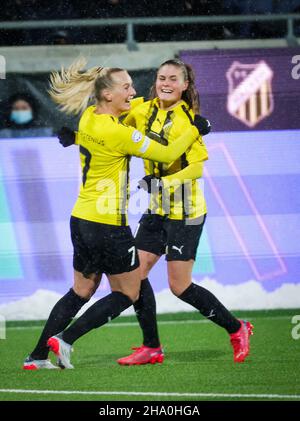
(93, 107)
(182, 102)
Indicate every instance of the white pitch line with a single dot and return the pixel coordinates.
(165, 322)
(125, 324)
(166, 394)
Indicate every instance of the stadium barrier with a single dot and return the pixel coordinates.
(131, 23)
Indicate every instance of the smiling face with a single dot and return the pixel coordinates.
(170, 85)
(121, 93)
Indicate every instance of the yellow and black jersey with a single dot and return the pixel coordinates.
(185, 200)
(105, 147)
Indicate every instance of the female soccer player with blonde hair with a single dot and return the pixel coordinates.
(101, 237)
(174, 221)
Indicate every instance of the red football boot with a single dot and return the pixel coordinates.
(240, 341)
(143, 355)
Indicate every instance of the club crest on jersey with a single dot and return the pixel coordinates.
(250, 97)
(137, 136)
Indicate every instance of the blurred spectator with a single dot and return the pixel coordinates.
(103, 9)
(26, 10)
(61, 38)
(38, 9)
(201, 8)
(252, 29)
(20, 118)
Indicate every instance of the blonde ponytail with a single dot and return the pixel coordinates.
(72, 88)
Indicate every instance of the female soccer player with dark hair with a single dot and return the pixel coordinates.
(101, 237)
(175, 231)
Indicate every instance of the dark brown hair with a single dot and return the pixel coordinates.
(191, 95)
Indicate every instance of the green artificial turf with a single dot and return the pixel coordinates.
(198, 360)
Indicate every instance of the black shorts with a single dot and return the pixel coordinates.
(176, 239)
(102, 248)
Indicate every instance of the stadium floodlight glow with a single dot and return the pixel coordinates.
(2, 327)
(2, 67)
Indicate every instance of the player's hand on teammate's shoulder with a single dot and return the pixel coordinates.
(66, 136)
(202, 124)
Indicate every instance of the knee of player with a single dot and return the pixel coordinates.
(133, 295)
(175, 287)
(84, 292)
(144, 273)
(145, 267)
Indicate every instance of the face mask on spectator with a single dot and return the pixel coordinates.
(21, 116)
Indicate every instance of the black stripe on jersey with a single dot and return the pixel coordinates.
(156, 136)
(187, 113)
(167, 121)
(151, 118)
(164, 139)
(84, 151)
(153, 110)
(184, 161)
(184, 164)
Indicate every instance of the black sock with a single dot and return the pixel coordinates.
(210, 307)
(145, 308)
(60, 317)
(104, 310)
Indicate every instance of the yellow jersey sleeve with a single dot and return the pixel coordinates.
(136, 101)
(133, 142)
(130, 120)
(197, 152)
(191, 172)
